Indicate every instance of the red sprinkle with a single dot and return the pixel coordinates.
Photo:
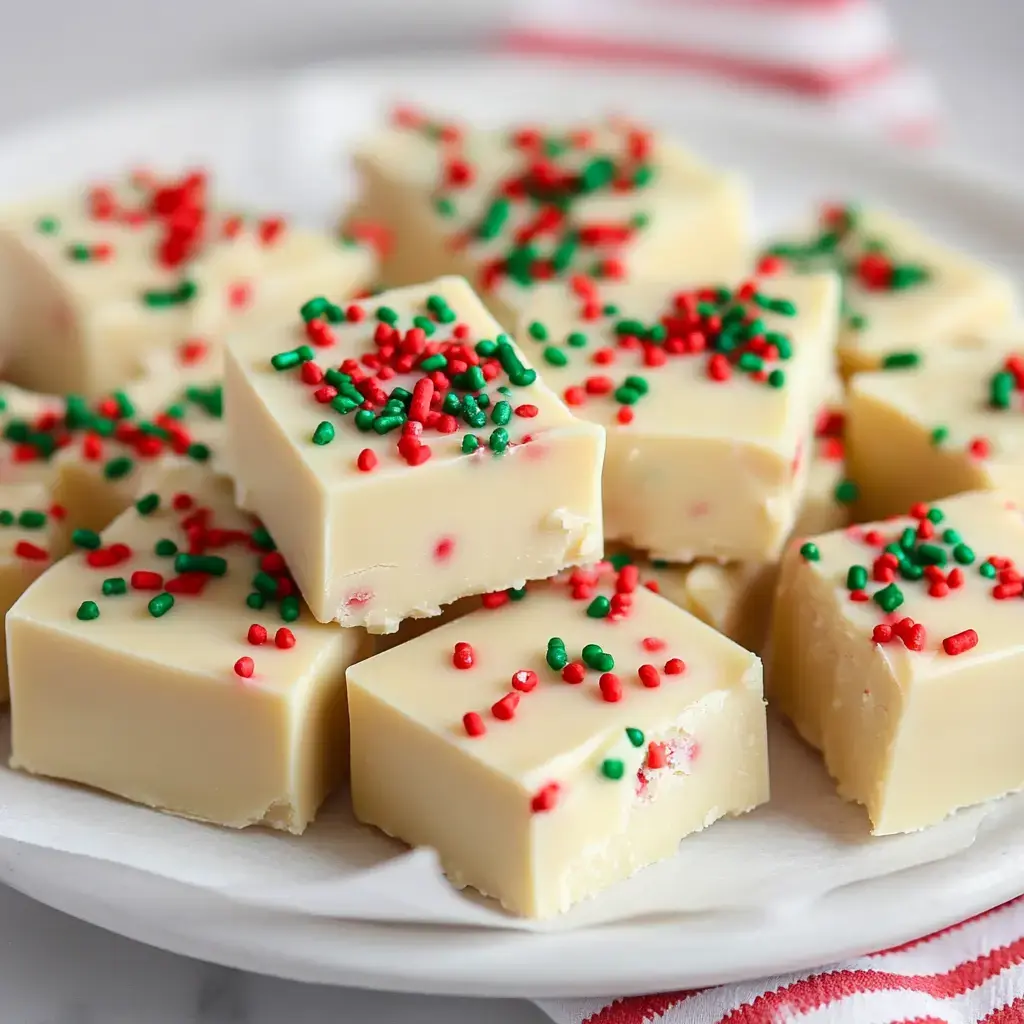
(524, 680)
(913, 638)
(367, 460)
(575, 672)
(181, 502)
(144, 580)
(960, 642)
(545, 798)
(284, 638)
(649, 676)
(473, 724)
(495, 599)
(611, 687)
(443, 549)
(245, 667)
(462, 655)
(656, 755)
(653, 643)
(257, 634)
(504, 710)
(882, 633)
(675, 667)
(32, 552)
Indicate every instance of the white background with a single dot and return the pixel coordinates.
(58, 54)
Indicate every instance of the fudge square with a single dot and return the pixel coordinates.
(554, 745)
(31, 537)
(404, 454)
(897, 652)
(951, 423)
(708, 398)
(905, 294)
(169, 661)
(98, 277)
(506, 208)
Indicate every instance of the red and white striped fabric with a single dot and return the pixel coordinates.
(971, 973)
(840, 55)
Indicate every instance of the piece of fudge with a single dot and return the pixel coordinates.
(905, 294)
(707, 395)
(31, 538)
(952, 423)
(571, 738)
(171, 662)
(405, 454)
(93, 280)
(894, 650)
(509, 207)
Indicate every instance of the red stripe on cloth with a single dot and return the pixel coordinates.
(640, 1009)
(946, 931)
(1011, 1013)
(824, 989)
(922, 1020)
(811, 81)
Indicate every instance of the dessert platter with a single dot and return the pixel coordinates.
(540, 536)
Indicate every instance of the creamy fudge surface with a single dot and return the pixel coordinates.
(707, 395)
(507, 208)
(405, 454)
(95, 279)
(897, 652)
(904, 293)
(953, 423)
(554, 744)
(170, 661)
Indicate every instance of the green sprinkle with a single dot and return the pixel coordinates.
(387, 315)
(212, 565)
(939, 435)
(470, 443)
(777, 378)
(6, 517)
(265, 584)
(612, 768)
(908, 538)
(750, 362)
(290, 608)
(889, 598)
(846, 492)
(962, 553)
(555, 356)
(617, 561)
(901, 360)
(256, 601)
(32, 519)
(810, 552)
(261, 538)
(577, 339)
(857, 321)
(951, 536)
(636, 736)
(626, 395)
(516, 593)
(147, 504)
(384, 424)
(365, 419)
(340, 404)
(988, 570)
(314, 308)
(856, 577)
(425, 324)
(324, 433)
(439, 361)
(114, 585)
(501, 413)
(936, 515)
(290, 359)
(498, 441)
(931, 554)
(444, 206)
(88, 539)
(538, 331)
(1001, 389)
(161, 605)
(48, 225)
(118, 468)
(88, 610)
(556, 658)
(166, 548)
(599, 607)
(199, 452)
(910, 570)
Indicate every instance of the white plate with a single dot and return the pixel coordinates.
(279, 143)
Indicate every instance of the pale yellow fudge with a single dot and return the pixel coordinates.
(92, 280)
(509, 207)
(31, 538)
(170, 662)
(554, 745)
(953, 423)
(707, 396)
(905, 295)
(897, 652)
(412, 459)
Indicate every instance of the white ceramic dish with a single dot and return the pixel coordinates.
(279, 143)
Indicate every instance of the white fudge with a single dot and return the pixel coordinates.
(897, 652)
(394, 471)
(170, 662)
(506, 208)
(550, 747)
(707, 396)
(905, 294)
(93, 280)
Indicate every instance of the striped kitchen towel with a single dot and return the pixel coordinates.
(838, 55)
(971, 973)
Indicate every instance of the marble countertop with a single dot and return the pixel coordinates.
(55, 970)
